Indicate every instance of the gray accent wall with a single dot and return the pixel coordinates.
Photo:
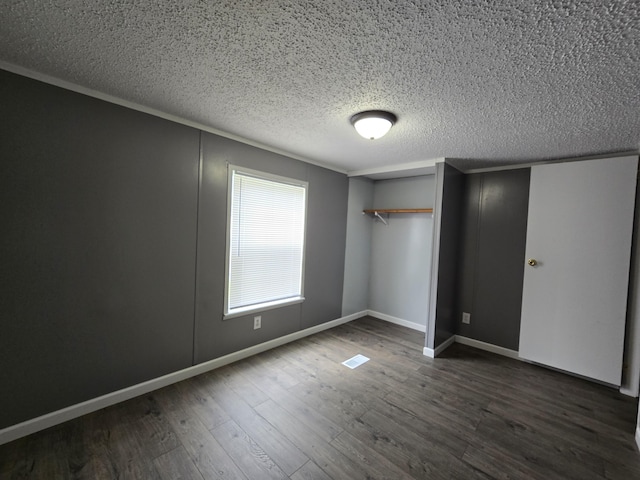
(480, 236)
(401, 251)
(324, 253)
(447, 237)
(355, 297)
(491, 268)
(214, 336)
(113, 248)
(325, 250)
(98, 214)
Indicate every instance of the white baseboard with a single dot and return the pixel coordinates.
(433, 353)
(398, 321)
(505, 352)
(488, 347)
(74, 411)
(629, 392)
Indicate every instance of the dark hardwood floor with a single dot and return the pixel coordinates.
(296, 412)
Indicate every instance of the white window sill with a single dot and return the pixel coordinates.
(261, 307)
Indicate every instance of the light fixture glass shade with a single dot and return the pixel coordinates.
(373, 124)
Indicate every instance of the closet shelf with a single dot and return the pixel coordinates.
(398, 210)
(376, 212)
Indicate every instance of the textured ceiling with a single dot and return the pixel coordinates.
(489, 82)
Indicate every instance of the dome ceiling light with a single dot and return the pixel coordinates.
(373, 124)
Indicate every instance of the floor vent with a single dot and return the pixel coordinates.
(356, 361)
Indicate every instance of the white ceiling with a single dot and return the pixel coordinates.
(487, 82)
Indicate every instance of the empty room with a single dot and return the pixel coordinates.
(319, 240)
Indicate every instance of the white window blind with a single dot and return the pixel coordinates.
(266, 240)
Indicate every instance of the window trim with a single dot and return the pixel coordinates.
(243, 311)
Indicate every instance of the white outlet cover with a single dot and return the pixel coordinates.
(466, 317)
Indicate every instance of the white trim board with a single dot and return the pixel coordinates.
(515, 166)
(74, 411)
(505, 352)
(42, 77)
(412, 169)
(488, 347)
(629, 392)
(431, 353)
(398, 321)
(638, 437)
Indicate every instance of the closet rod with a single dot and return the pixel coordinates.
(398, 210)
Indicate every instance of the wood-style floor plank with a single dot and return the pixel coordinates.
(525, 443)
(298, 409)
(197, 399)
(310, 471)
(296, 412)
(325, 455)
(13, 459)
(176, 465)
(279, 448)
(371, 462)
(418, 455)
(204, 450)
(252, 460)
(501, 465)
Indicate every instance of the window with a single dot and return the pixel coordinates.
(265, 243)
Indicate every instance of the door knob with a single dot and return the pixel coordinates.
(532, 262)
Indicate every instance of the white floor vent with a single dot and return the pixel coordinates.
(356, 361)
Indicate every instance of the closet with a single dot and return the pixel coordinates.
(563, 297)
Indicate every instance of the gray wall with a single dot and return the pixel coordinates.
(448, 236)
(324, 254)
(480, 246)
(98, 214)
(386, 268)
(401, 251)
(100, 207)
(409, 192)
(491, 268)
(355, 297)
(325, 250)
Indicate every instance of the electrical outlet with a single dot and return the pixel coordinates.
(257, 322)
(466, 318)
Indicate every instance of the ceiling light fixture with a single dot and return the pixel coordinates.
(373, 124)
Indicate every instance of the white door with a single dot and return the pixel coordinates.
(579, 235)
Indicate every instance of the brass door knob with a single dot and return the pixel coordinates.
(532, 262)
